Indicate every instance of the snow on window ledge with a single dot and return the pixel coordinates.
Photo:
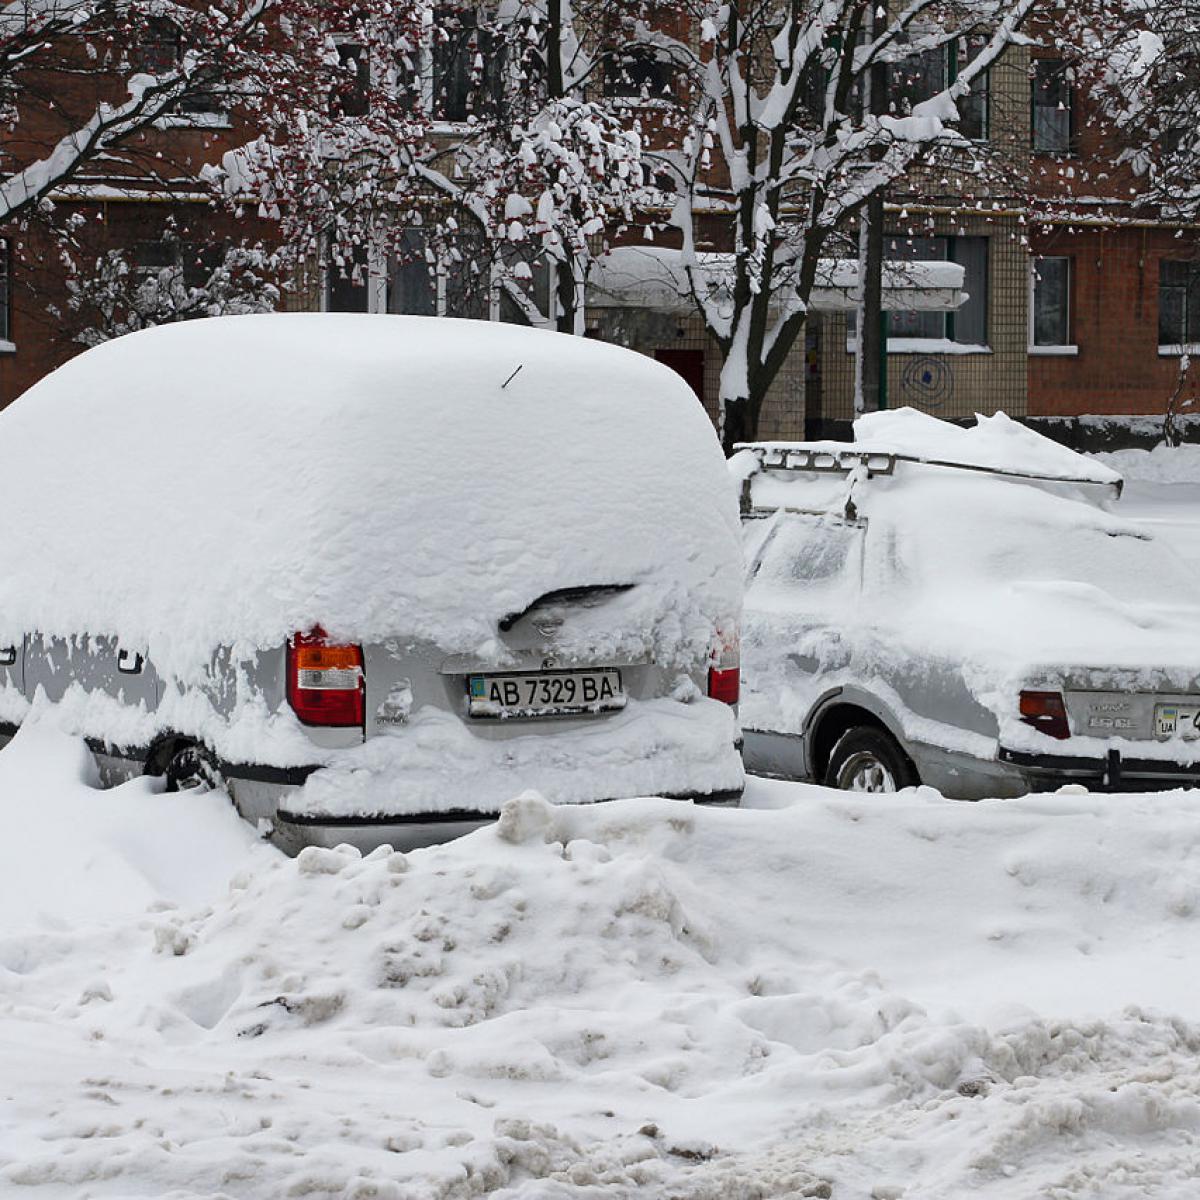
(199, 120)
(925, 346)
(7, 347)
(1178, 351)
(1063, 351)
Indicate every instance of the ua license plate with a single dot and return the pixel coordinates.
(1177, 720)
(557, 694)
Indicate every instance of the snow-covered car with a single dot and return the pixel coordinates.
(377, 574)
(963, 608)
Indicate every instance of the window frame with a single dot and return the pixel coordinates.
(164, 37)
(352, 97)
(1038, 86)
(1190, 290)
(946, 342)
(951, 57)
(624, 90)
(491, 86)
(1066, 348)
(7, 345)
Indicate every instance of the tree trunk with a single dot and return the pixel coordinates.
(741, 422)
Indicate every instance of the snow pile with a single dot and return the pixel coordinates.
(997, 441)
(1162, 464)
(652, 746)
(854, 997)
(74, 855)
(382, 476)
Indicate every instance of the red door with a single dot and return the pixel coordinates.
(687, 363)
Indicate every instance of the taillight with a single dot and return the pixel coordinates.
(1046, 712)
(725, 675)
(325, 683)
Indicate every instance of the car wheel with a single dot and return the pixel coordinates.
(193, 769)
(866, 759)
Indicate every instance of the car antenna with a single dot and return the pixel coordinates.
(512, 376)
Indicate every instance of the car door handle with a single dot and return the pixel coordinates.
(129, 662)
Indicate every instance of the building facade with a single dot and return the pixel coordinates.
(1076, 305)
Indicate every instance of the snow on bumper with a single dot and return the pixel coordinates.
(437, 765)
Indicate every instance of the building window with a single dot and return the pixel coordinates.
(412, 280)
(352, 91)
(451, 282)
(536, 279)
(1053, 104)
(187, 261)
(5, 297)
(162, 51)
(1178, 304)
(468, 67)
(347, 282)
(922, 76)
(1050, 309)
(637, 74)
(966, 325)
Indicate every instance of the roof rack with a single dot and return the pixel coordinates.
(880, 462)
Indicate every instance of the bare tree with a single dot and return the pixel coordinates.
(780, 149)
(75, 89)
(477, 148)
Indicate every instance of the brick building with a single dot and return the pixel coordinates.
(1074, 307)
(142, 202)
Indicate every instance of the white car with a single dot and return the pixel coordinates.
(963, 608)
(375, 574)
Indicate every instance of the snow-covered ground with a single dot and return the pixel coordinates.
(816, 996)
(1162, 489)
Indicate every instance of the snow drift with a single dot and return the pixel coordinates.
(832, 995)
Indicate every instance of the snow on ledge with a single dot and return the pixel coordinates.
(924, 346)
(655, 277)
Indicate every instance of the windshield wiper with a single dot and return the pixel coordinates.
(570, 595)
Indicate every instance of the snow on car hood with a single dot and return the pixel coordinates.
(233, 480)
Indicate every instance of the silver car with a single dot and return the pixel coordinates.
(374, 575)
(986, 630)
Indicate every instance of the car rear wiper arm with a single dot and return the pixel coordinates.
(595, 591)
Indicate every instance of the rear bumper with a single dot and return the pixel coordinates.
(294, 831)
(1113, 773)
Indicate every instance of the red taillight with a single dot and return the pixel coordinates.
(325, 683)
(725, 684)
(725, 675)
(1046, 712)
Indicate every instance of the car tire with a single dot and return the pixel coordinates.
(193, 769)
(866, 759)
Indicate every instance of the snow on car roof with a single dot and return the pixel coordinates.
(232, 480)
(995, 443)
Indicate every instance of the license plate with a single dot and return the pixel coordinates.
(1177, 720)
(549, 694)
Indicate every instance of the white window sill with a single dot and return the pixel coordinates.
(194, 121)
(7, 347)
(925, 346)
(1053, 351)
(1192, 349)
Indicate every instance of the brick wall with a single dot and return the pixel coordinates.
(1114, 322)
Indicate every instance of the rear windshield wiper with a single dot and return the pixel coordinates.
(570, 595)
